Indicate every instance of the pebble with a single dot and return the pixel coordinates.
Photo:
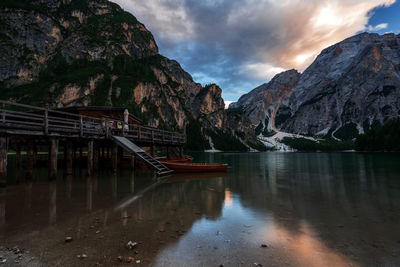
(264, 245)
(68, 239)
(131, 245)
(83, 256)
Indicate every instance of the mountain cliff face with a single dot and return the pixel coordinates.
(262, 103)
(349, 88)
(91, 52)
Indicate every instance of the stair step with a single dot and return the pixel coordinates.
(165, 172)
(142, 155)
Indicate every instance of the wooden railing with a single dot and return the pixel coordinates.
(20, 119)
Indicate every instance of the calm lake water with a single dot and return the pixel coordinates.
(309, 209)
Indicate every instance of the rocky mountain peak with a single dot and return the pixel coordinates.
(209, 104)
(350, 87)
(41, 29)
(91, 52)
(263, 102)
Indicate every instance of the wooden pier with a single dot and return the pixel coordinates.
(24, 126)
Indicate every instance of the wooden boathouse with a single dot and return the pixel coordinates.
(105, 132)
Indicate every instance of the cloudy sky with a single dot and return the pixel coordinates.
(240, 44)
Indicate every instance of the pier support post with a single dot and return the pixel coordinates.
(3, 160)
(18, 156)
(96, 153)
(132, 162)
(114, 157)
(152, 151)
(120, 155)
(74, 154)
(35, 153)
(181, 152)
(90, 157)
(168, 152)
(68, 158)
(30, 161)
(80, 156)
(53, 153)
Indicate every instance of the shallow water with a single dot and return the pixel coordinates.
(309, 209)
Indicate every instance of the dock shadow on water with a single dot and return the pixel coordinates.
(295, 209)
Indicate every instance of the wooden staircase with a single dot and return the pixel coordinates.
(140, 154)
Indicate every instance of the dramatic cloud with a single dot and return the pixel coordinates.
(242, 43)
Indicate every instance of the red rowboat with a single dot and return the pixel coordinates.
(196, 167)
(185, 159)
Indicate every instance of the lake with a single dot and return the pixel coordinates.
(269, 209)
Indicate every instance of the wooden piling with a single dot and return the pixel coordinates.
(120, 155)
(3, 160)
(53, 153)
(35, 153)
(80, 156)
(181, 152)
(74, 155)
(18, 156)
(90, 157)
(152, 151)
(168, 152)
(132, 162)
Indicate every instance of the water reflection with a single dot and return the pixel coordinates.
(52, 202)
(89, 194)
(68, 185)
(132, 182)
(28, 194)
(2, 206)
(311, 209)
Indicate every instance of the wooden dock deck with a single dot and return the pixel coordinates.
(25, 125)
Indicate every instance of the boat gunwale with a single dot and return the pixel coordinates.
(197, 164)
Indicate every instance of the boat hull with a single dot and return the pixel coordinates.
(196, 167)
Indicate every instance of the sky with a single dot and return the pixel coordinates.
(241, 44)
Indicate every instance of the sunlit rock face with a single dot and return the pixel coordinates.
(350, 87)
(209, 104)
(44, 41)
(262, 103)
(81, 53)
(33, 34)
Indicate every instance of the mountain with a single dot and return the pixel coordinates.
(351, 87)
(262, 103)
(91, 52)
